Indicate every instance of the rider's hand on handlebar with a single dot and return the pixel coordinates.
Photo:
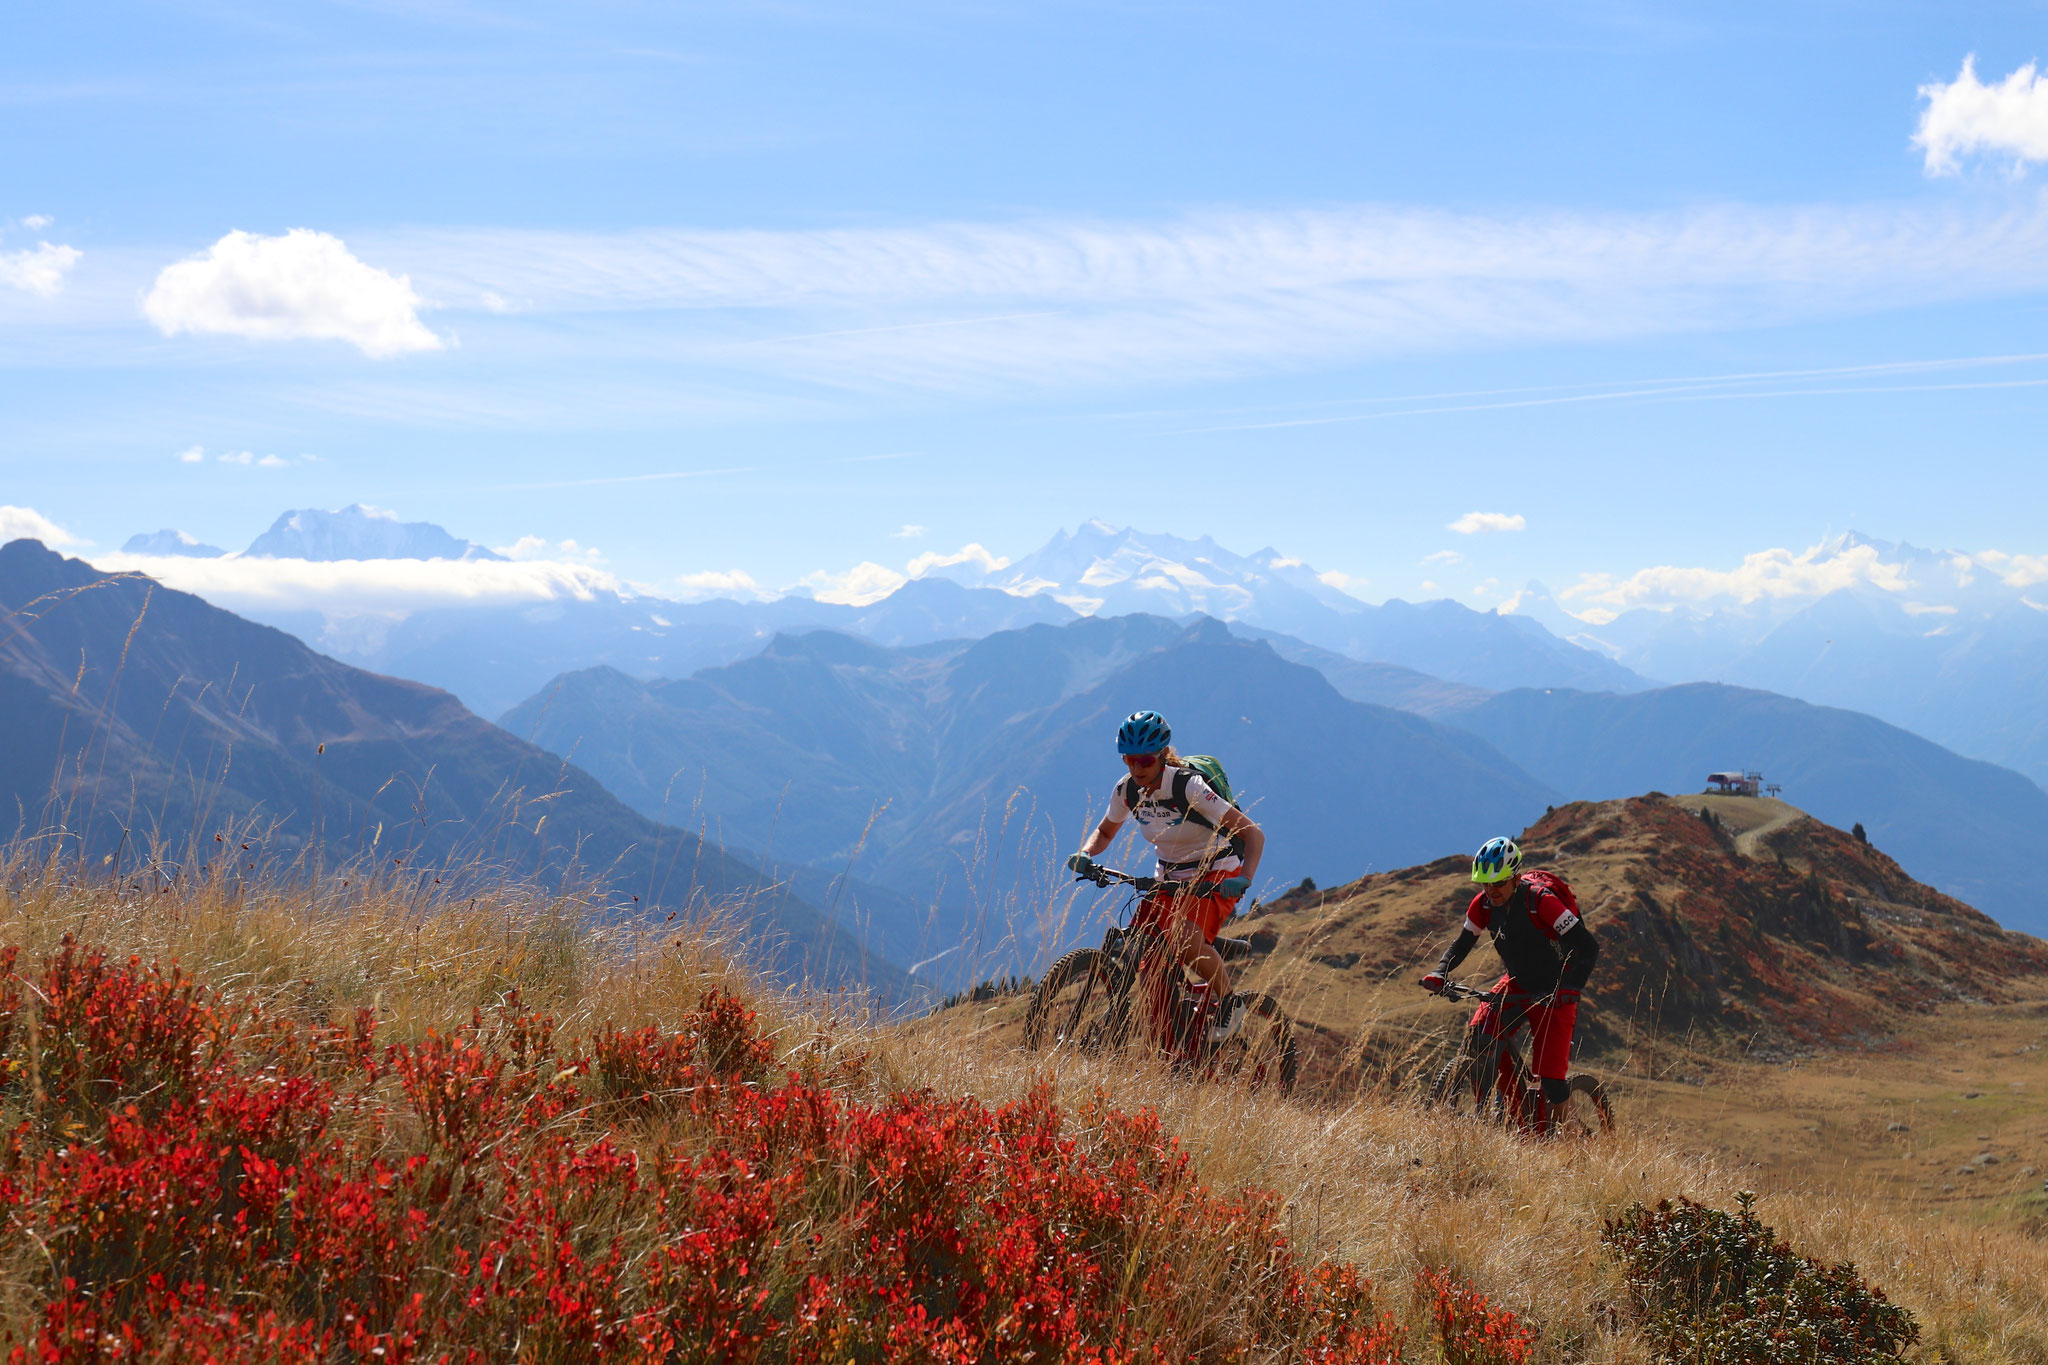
(1434, 983)
(1234, 887)
(1081, 864)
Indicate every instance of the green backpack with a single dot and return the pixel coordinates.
(1212, 772)
(1175, 798)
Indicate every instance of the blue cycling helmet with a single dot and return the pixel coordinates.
(1496, 861)
(1143, 732)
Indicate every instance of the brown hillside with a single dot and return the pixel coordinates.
(1734, 926)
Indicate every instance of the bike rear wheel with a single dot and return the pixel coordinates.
(1079, 1005)
(1262, 1055)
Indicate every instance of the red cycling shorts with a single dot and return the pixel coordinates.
(1550, 1027)
(1186, 901)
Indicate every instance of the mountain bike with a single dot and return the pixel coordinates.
(1490, 1073)
(1095, 1000)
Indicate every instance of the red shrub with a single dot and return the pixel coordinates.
(475, 1205)
(1469, 1329)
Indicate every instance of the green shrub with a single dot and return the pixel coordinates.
(1721, 1289)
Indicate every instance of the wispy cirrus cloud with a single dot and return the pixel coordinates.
(961, 306)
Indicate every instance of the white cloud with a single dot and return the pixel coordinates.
(2015, 571)
(1343, 582)
(1444, 557)
(857, 587)
(192, 455)
(718, 583)
(541, 548)
(303, 285)
(36, 222)
(19, 522)
(1479, 523)
(40, 269)
(246, 458)
(1928, 608)
(1965, 116)
(386, 587)
(909, 532)
(1768, 574)
(967, 554)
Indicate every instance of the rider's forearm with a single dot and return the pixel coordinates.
(1102, 838)
(1460, 947)
(1581, 950)
(1254, 841)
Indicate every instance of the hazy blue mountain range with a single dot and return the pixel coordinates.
(1109, 570)
(961, 773)
(492, 655)
(1974, 830)
(141, 721)
(1951, 646)
(170, 542)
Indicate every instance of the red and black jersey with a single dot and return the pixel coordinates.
(1525, 934)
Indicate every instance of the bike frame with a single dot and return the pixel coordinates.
(1176, 1014)
(1498, 1066)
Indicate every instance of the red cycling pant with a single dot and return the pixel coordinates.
(1550, 1026)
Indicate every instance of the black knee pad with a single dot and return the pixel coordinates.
(1556, 1092)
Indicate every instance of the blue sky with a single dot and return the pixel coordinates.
(781, 288)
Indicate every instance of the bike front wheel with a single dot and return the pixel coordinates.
(1078, 1006)
(1587, 1112)
(1262, 1055)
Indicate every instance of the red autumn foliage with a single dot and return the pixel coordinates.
(1469, 1329)
(204, 1183)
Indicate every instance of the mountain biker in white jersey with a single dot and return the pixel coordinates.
(1207, 849)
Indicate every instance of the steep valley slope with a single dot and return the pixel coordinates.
(139, 725)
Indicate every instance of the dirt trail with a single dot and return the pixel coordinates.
(1749, 841)
(1750, 819)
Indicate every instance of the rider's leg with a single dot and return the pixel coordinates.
(1200, 956)
(1550, 1055)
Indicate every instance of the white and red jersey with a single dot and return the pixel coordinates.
(1184, 847)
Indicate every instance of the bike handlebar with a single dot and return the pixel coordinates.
(1458, 990)
(1109, 876)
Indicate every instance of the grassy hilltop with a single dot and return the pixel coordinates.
(490, 1130)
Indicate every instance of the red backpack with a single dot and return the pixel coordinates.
(1544, 879)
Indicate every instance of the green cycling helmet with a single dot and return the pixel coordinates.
(1497, 860)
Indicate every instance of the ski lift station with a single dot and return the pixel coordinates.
(1741, 782)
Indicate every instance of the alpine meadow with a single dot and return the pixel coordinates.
(977, 684)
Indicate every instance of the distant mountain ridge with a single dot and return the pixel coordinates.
(170, 542)
(360, 532)
(1950, 645)
(960, 773)
(493, 655)
(140, 722)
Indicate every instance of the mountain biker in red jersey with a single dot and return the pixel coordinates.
(1529, 923)
(1207, 848)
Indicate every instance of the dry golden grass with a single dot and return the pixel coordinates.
(1372, 1179)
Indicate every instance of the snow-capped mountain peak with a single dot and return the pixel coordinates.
(360, 532)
